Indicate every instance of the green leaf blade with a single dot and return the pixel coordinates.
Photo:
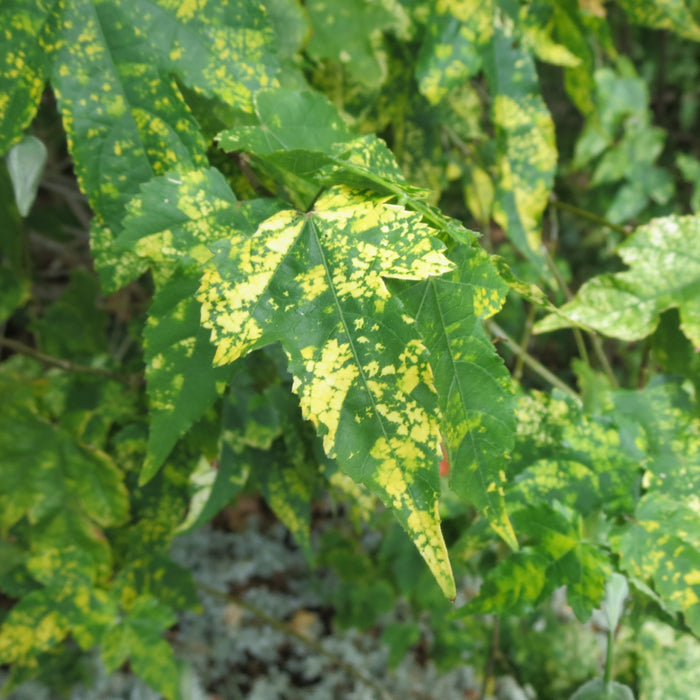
(24, 64)
(525, 139)
(476, 397)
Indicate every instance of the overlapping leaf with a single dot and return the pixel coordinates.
(170, 225)
(70, 603)
(314, 282)
(664, 273)
(452, 51)
(138, 638)
(476, 399)
(465, 37)
(47, 476)
(125, 118)
(264, 441)
(361, 23)
(584, 462)
(663, 544)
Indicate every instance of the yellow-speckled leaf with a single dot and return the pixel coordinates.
(111, 69)
(675, 15)
(24, 63)
(314, 282)
(475, 393)
(138, 637)
(69, 604)
(171, 224)
(525, 145)
(302, 133)
(457, 33)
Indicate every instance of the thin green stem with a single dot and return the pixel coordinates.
(607, 678)
(312, 644)
(590, 216)
(578, 335)
(531, 362)
(491, 659)
(524, 342)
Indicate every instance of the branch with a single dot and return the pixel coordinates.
(290, 631)
(22, 349)
(583, 214)
(531, 362)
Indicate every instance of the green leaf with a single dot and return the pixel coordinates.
(650, 549)
(328, 156)
(138, 638)
(452, 52)
(171, 224)
(287, 484)
(476, 397)
(598, 689)
(291, 25)
(289, 120)
(361, 23)
(251, 421)
(15, 282)
(513, 586)
(70, 604)
(564, 456)
(46, 473)
(313, 282)
(182, 383)
(525, 146)
(675, 15)
(663, 274)
(124, 115)
(25, 163)
(669, 662)
(74, 326)
(24, 65)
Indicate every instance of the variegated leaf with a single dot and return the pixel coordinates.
(476, 398)
(314, 282)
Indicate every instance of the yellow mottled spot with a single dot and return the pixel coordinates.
(313, 282)
(323, 393)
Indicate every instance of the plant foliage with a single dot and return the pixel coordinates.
(283, 294)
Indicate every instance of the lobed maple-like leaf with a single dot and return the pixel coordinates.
(138, 638)
(68, 602)
(314, 282)
(664, 273)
